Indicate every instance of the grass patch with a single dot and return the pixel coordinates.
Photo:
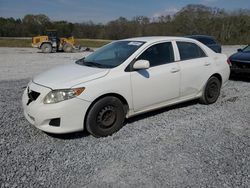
(95, 43)
(11, 42)
(4, 42)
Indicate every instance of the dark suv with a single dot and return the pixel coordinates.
(209, 41)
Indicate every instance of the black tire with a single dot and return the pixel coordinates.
(105, 117)
(67, 48)
(212, 91)
(46, 48)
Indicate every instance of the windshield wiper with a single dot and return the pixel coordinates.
(80, 61)
(89, 64)
(92, 64)
(86, 63)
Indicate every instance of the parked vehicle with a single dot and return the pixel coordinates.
(240, 61)
(208, 41)
(123, 79)
(51, 42)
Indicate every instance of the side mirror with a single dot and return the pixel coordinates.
(240, 50)
(141, 64)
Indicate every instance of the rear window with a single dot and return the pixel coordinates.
(206, 41)
(190, 50)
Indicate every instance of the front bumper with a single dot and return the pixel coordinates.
(240, 67)
(71, 112)
(240, 70)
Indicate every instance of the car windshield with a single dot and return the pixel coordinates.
(111, 55)
(246, 49)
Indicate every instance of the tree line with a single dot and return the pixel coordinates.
(227, 27)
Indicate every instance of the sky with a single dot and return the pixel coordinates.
(102, 11)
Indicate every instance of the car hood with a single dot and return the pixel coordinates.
(241, 56)
(67, 76)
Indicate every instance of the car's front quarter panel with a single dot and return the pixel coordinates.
(116, 82)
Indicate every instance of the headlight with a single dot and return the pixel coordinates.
(59, 95)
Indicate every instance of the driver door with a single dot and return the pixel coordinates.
(159, 83)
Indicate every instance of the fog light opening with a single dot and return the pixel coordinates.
(55, 122)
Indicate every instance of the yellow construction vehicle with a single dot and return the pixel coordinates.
(52, 43)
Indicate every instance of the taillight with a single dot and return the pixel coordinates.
(229, 62)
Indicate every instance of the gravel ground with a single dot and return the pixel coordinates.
(21, 63)
(187, 145)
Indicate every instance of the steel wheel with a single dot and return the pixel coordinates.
(105, 117)
(212, 91)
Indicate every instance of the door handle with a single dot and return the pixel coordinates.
(207, 64)
(173, 70)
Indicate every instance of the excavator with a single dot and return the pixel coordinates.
(52, 43)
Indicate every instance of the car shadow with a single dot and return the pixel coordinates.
(161, 110)
(83, 134)
(70, 136)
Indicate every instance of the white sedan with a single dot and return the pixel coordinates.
(123, 79)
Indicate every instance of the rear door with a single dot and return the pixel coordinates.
(195, 68)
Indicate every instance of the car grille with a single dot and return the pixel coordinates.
(32, 95)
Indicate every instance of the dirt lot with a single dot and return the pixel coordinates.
(188, 145)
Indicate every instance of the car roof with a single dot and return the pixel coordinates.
(200, 36)
(157, 38)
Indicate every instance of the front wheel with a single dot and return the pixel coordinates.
(46, 48)
(212, 91)
(67, 48)
(105, 117)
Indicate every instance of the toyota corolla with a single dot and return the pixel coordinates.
(123, 79)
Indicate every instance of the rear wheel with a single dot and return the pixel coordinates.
(46, 48)
(212, 91)
(105, 117)
(67, 48)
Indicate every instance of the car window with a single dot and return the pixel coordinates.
(190, 50)
(158, 54)
(206, 41)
